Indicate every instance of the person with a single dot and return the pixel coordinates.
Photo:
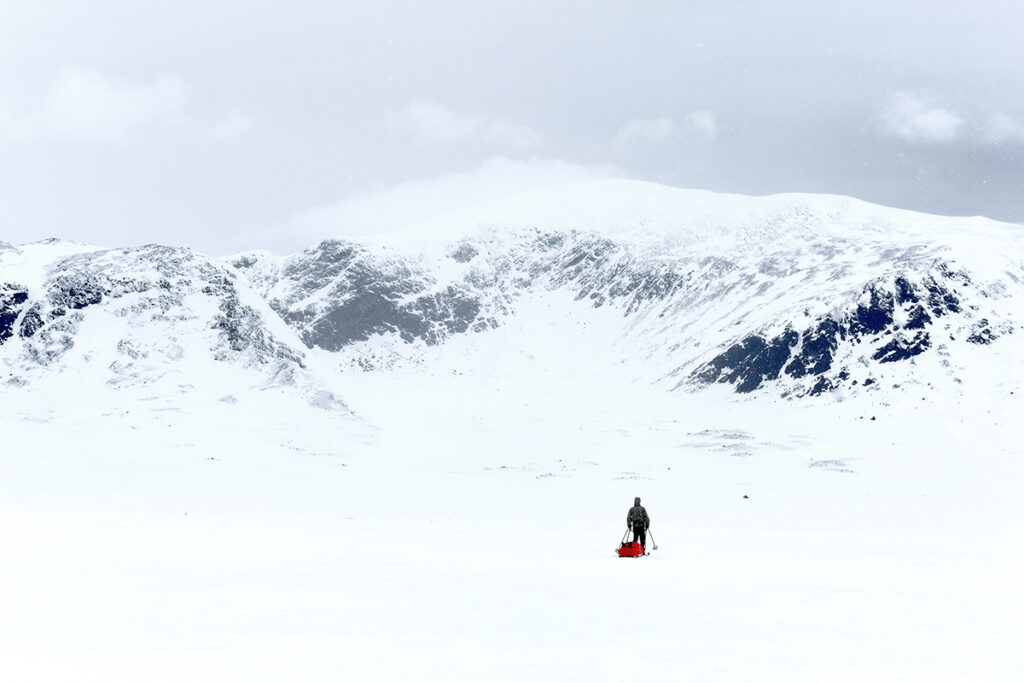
(638, 520)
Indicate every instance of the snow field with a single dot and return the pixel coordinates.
(213, 598)
(194, 520)
(469, 536)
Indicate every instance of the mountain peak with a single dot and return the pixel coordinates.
(711, 222)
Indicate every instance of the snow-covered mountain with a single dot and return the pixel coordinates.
(146, 316)
(796, 294)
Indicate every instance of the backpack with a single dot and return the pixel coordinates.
(636, 515)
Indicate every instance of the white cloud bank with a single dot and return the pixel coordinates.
(85, 105)
(430, 123)
(697, 126)
(418, 201)
(703, 123)
(915, 118)
(1001, 127)
(658, 131)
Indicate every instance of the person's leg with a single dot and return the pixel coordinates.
(643, 538)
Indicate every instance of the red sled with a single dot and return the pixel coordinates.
(631, 550)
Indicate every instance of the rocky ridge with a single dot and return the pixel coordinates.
(794, 295)
(800, 315)
(139, 312)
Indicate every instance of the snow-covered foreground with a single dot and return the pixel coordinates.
(469, 535)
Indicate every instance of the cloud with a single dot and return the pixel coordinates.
(702, 123)
(84, 105)
(1001, 127)
(430, 123)
(637, 132)
(697, 126)
(914, 118)
(231, 126)
(418, 201)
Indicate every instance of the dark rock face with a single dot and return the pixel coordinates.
(378, 310)
(817, 349)
(905, 291)
(873, 317)
(361, 315)
(982, 333)
(67, 292)
(812, 352)
(901, 349)
(605, 272)
(464, 253)
(918, 318)
(151, 283)
(243, 330)
(825, 384)
(246, 261)
(339, 293)
(32, 322)
(453, 309)
(12, 301)
(751, 362)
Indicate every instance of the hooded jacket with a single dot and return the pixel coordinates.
(637, 515)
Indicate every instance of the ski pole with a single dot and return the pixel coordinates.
(653, 542)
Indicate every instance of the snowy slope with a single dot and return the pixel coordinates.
(798, 294)
(156, 319)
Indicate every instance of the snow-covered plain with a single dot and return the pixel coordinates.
(460, 523)
(471, 537)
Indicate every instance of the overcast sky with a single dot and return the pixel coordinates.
(230, 126)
